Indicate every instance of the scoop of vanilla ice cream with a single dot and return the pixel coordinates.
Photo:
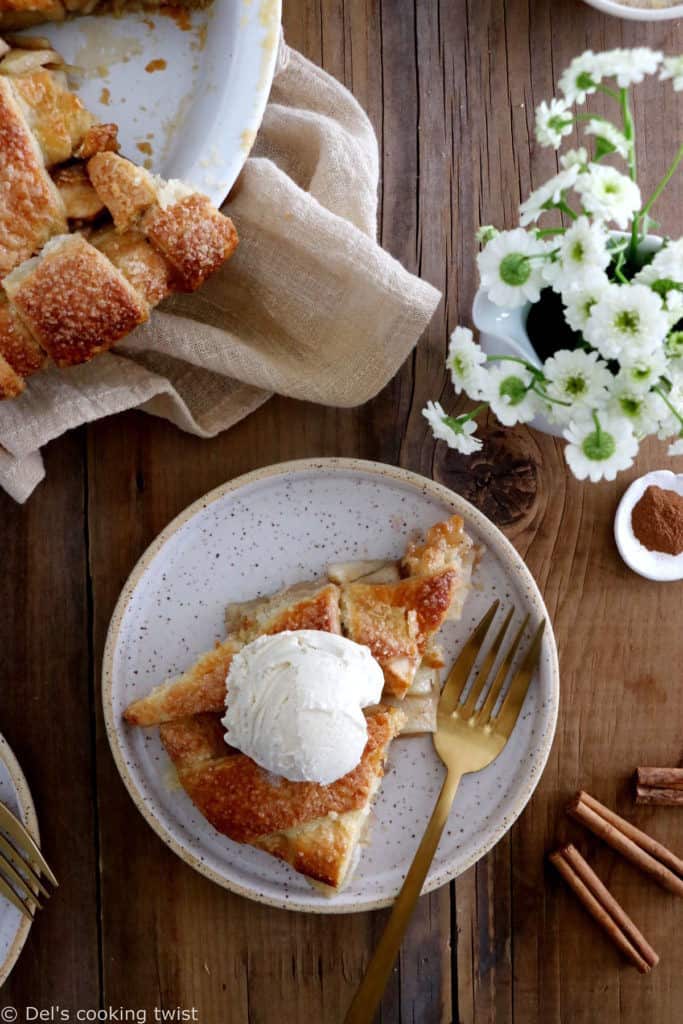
(294, 703)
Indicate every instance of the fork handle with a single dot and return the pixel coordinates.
(371, 989)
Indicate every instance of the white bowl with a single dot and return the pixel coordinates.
(637, 13)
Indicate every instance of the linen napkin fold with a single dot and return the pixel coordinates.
(309, 306)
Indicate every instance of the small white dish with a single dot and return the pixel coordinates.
(270, 529)
(653, 565)
(16, 796)
(188, 91)
(618, 10)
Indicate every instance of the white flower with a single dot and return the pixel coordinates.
(642, 370)
(676, 447)
(547, 195)
(509, 275)
(670, 422)
(465, 361)
(673, 68)
(578, 303)
(666, 265)
(574, 158)
(582, 251)
(673, 346)
(582, 77)
(508, 393)
(643, 409)
(485, 233)
(615, 140)
(579, 378)
(608, 194)
(553, 122)
(600, 446)
(629, 66)
(626, 320)
(455, 431)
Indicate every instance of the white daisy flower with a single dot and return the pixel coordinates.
(582, 251)
(676, 447)
(545, 197)
(553, 122)
(673, 346)
(455, 431)
(599, 446)
(574, 158)
(578, 377)
(629, 67)
(465, 361)
(673, 304)
(508, 393)
(642, 371)
(666, 265)
(672, 67)
(613, 140)
(511, 268)
(578, 302)
(626, 319)
(643, 409)
(582, 77)
(608, 194)
(671, 421)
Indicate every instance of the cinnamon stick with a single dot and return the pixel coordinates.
(646, 853)
(604, 909)
(659, 797)
(660, 778)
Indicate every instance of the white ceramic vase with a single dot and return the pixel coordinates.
(502, 332)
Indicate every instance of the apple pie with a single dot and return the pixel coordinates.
(89, 241)
(395, 608)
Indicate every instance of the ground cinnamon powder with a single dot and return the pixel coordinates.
(657, 520)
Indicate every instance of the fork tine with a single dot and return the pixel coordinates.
(12, 876)
(22, 837)
(8, 892)
(501, 675)
(8, 852)
(487, 664)
(459, 674)
(504, 721)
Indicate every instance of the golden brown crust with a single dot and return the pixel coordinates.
(303, 606)
(74, 301)
(17, 346)
(397, 620)
(445, 546)
(125, 189)
(193, 236)
(31, 210)
(22, 13)
(81, 201)
(200, 689)
(101, 138)
(244, 802)
(11, 384)
(54, 114)
(142, 265)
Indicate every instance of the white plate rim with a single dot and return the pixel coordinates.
(617, 10)
(31, 822)
(406, 477)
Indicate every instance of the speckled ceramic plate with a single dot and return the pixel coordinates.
(15, 795)
(270, 529)
(188, 90)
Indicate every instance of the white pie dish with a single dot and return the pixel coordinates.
(195, 118)
(254, 535)
(16, 796)
(618, 10)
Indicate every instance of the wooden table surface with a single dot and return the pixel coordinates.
(451, 88)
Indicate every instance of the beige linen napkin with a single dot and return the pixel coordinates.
(310, 306)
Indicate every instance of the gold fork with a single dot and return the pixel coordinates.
(22, 866)
(468, 738)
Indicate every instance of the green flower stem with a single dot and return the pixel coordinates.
(542, 393)
(640, 217)
(629, 131)
(669, 405)
(564, 206)
(608, 92)
(598, 428)
(547, 232)
(515, 359)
